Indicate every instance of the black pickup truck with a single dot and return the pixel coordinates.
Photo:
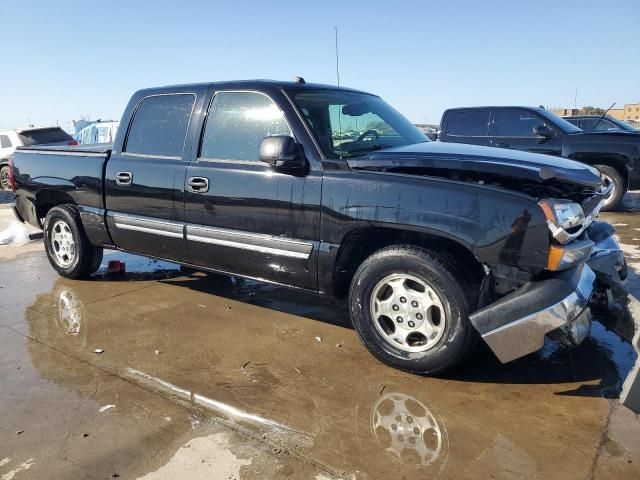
(331, 190)
(616, 154)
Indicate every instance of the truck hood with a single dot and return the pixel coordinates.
(456, 157)
(609, 133)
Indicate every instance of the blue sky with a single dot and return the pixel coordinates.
(66, 59)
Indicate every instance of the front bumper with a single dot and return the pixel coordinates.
(517, 324)
(560, 308)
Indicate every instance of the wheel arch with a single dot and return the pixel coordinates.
(46, 199)
(360, 243)
(617, 161)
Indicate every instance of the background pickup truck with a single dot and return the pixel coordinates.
(331, 190)
(616, 154)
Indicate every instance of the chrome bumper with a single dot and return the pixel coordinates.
(526, 335)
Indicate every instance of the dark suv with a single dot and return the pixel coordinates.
(598, 123)
(615, 154)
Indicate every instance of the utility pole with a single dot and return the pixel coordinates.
(575, 99)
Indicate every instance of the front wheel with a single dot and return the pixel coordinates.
(611, 176)
(69, 251)
(410, 307)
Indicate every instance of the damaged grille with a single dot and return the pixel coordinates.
(590, 203)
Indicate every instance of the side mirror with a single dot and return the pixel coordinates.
(282, 152)
(543, 131)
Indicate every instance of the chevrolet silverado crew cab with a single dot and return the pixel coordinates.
(331, 190)
(616, 154)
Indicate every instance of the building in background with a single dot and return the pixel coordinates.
(566, 112)
(632, 112)
(617, 113)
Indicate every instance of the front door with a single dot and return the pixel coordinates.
(144, 198)
(513, 128)
(244, 216)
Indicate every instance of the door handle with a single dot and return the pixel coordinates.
(198, 184)
(502, 145)
(124, 178)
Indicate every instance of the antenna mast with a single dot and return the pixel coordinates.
(337, 58)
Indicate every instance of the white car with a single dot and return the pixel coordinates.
(10, 139)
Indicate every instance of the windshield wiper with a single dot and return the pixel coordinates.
(364, 150)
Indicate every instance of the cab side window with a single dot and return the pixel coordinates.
(5, 142)
(237, 123)
(515, 122)
(159, 126)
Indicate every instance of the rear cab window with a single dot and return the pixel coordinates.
(468, 123)
(159, 126)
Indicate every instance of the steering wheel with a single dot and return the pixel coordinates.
(368, 133)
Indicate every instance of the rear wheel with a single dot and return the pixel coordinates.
(69, 251)
(611, 176)
(410, 307)
(5, 183)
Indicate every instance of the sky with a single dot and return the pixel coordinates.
(65, 60)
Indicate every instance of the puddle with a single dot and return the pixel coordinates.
(247, 354)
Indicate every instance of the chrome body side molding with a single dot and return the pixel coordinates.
(266, 244)
(255, 242)
(148, 225)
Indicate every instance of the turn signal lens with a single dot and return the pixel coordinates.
(555, 257)
(565, 257)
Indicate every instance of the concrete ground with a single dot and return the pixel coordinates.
(203, 376)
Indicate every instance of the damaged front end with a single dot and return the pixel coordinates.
(560, 304)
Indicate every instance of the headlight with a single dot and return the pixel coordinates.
(563, 218)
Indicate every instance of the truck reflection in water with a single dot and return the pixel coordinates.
(409, 431)
(69, 317)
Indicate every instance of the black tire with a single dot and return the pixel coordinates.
(85, 258)
(619, 187)
(5, 185)
(454, 287)
(97, 260)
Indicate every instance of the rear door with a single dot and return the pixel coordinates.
(467, 126)
(144, 182)
(244, 216)
(513, 128)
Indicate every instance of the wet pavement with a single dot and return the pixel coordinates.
(228, 378)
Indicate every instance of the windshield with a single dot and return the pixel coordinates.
(621, 125)
(561, 123)
(350, 124)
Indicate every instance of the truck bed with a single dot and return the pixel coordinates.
(74, 172)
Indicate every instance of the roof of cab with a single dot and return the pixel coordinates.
(484, 107)
(248, 84)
